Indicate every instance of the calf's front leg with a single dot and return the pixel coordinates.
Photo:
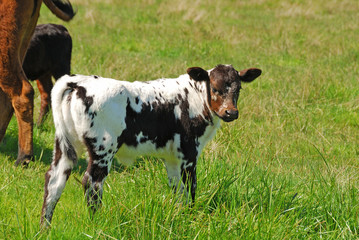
(174, 178)
(189, 177)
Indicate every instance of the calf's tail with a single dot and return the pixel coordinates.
(60, 101)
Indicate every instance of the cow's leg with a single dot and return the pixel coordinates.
(174, 177)
(97, 170)
(24, 102)
(6, 111)
(19, 19)
(189, 177)
(21, 94)
(44, 84)
(23, 105)
(64, 158)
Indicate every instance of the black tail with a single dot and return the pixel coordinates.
(61, 8)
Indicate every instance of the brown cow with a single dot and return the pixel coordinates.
(18, 20)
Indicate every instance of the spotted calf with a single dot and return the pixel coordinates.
(171, 119)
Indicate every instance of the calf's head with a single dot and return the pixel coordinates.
(223, 86)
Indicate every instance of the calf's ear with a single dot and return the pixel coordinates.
(198, 74)
(248, 75)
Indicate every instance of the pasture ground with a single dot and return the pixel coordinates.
(287, 169)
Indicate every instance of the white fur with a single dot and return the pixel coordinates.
(109, 103)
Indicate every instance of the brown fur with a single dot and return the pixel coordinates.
(18, 20)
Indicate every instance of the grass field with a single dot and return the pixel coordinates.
(287, 169)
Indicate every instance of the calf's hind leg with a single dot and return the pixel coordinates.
(55, 179)
(97, 170)
(92, 182)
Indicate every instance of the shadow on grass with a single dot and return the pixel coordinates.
(9, 147)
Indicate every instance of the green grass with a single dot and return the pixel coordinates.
(287, 169)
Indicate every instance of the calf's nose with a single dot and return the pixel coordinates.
(232, 113)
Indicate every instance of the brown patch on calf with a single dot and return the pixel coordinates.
(67, 173)
(81, 93)
(58, 152)
(94, 170)
(224, 91)
(223, 86)
(71, 153)
(44, 205)
(87, 100)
